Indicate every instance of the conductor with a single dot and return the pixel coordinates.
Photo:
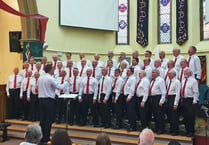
(46, 88)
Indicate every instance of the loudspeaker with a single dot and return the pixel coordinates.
(14, 41)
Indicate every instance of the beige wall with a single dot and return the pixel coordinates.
(8, 60)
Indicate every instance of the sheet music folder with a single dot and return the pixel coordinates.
(69, 96)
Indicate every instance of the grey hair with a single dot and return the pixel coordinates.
(33, 134)
(146, 137)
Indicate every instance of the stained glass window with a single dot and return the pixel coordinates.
(204, 32)
(164, 23)
(122, 36)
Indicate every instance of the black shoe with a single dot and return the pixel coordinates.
(96, 125)
(117, 127)
(189, 134)
(131, 129)
(174, 133)
(107, 126)
(71, 124)
(82, 124)
(160, 132)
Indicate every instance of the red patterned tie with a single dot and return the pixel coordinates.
(114, 84)
(55, 63)
(81, 72)
(15, 81)
(70, 72)
(184, 87)
(87, 86)
(28, 82)
(102, 85)
(150, 90)
(166, 76)
(188, 61)
(168, 89)
(94, 72)
(74, 85)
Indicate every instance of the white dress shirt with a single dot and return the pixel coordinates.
(57, 73)
(24, 85)
(130, 86)
(68, 70)
(118, 87)
(143, 89)
(112, 72)
(84, 71)
(32, 87)
(41, 72)
(162, 72)
(100, 64)
(140, 64)
(181, 73)
(166, 78)
(47, 85)
(191, 89)
(123, 74)
(164, 63)
(10, 82)
(127, 63)
(115, 62)
(88, 63)
(93, 87)
(136, 71)
(195, 66)
(107, 87)
(78, 83)
(174, 89)
(65, 64)
(178, 62)
(148, 70)
(159, 88)
(65, 89)
(23, 73)
(98, 73)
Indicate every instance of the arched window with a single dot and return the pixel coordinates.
(122, 36)
(164, 21)
(204, 20)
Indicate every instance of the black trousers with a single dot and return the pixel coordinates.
(142, 112)
(14, 104)
(25, 106)
(131, 112)
(75, 111)
(60, 109)
(120, 109)
(157, 111)
(34, 107)
(189, 114)
(173, 115)
(47, 111)
(105, 111)
(86, 105)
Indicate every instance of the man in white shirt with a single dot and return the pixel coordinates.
(82, 68)
(118, 99)
(123, 70)
(157, 93)
(148, 54)
(110, 55)
(190, 95)
(13, 93)
(69, 68)
(24, 72)
(157, 65)
(100, 63)
(183, 67)
(38, 69)
(173, 97)
(43, 63)
(82, 56)
(46, 93)
(164, 60)
(193, 62)
(57, 72)
(111, 69)
(68, 57)
(147, 68)
(104, 98)
(177, 58)
(55, 61)
(142, 93)
(136, 67)
(32, 64)
(123, 59)
(96, 70)
(129, 91)
(135, 54)
(88, 97)
(170, 65)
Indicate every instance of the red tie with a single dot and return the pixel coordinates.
(102, 85)
(55, 63)
(137, 85)
(109, 72)
(15, 81)
(70, 72)
(74, 85)
(175, 60)
(27, 85)
(44, 67)
(166, 76)
(150, 90)
(144, 67)
(81, 72)
(168, 89)
(87, 86)
(59, 73)
(184, 87)
(94, 72)
(31, 66)
(114, 84)
(188, 61)
(125, 84)
(61, 91)
(181, 74)
(36, 89)
(26, 73)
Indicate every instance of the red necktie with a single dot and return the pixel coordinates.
(188, 61)
(102, 85)
(59, 73)
(26, 73)
(175, 60)
(144, 67)
(81, 72)
(181, 74)
(36, 89)
(15, 81)
(168, 89)
(166, 76)
(61, 91)
(27, 85)
(94, 72)
(44, 67)
(150, 90)
(74, 85)
(70, 72)
(114, 84)
(137, 85)
(184, 87)
(87, 86)
(55, 63)
(31, 66)
(125, 84)
(109, 72)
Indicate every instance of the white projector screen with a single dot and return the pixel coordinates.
(207, 11)
(94, 14)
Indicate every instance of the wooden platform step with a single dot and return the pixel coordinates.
(89, 133)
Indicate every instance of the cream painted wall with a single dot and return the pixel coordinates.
(8, 60)
(75, 40)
